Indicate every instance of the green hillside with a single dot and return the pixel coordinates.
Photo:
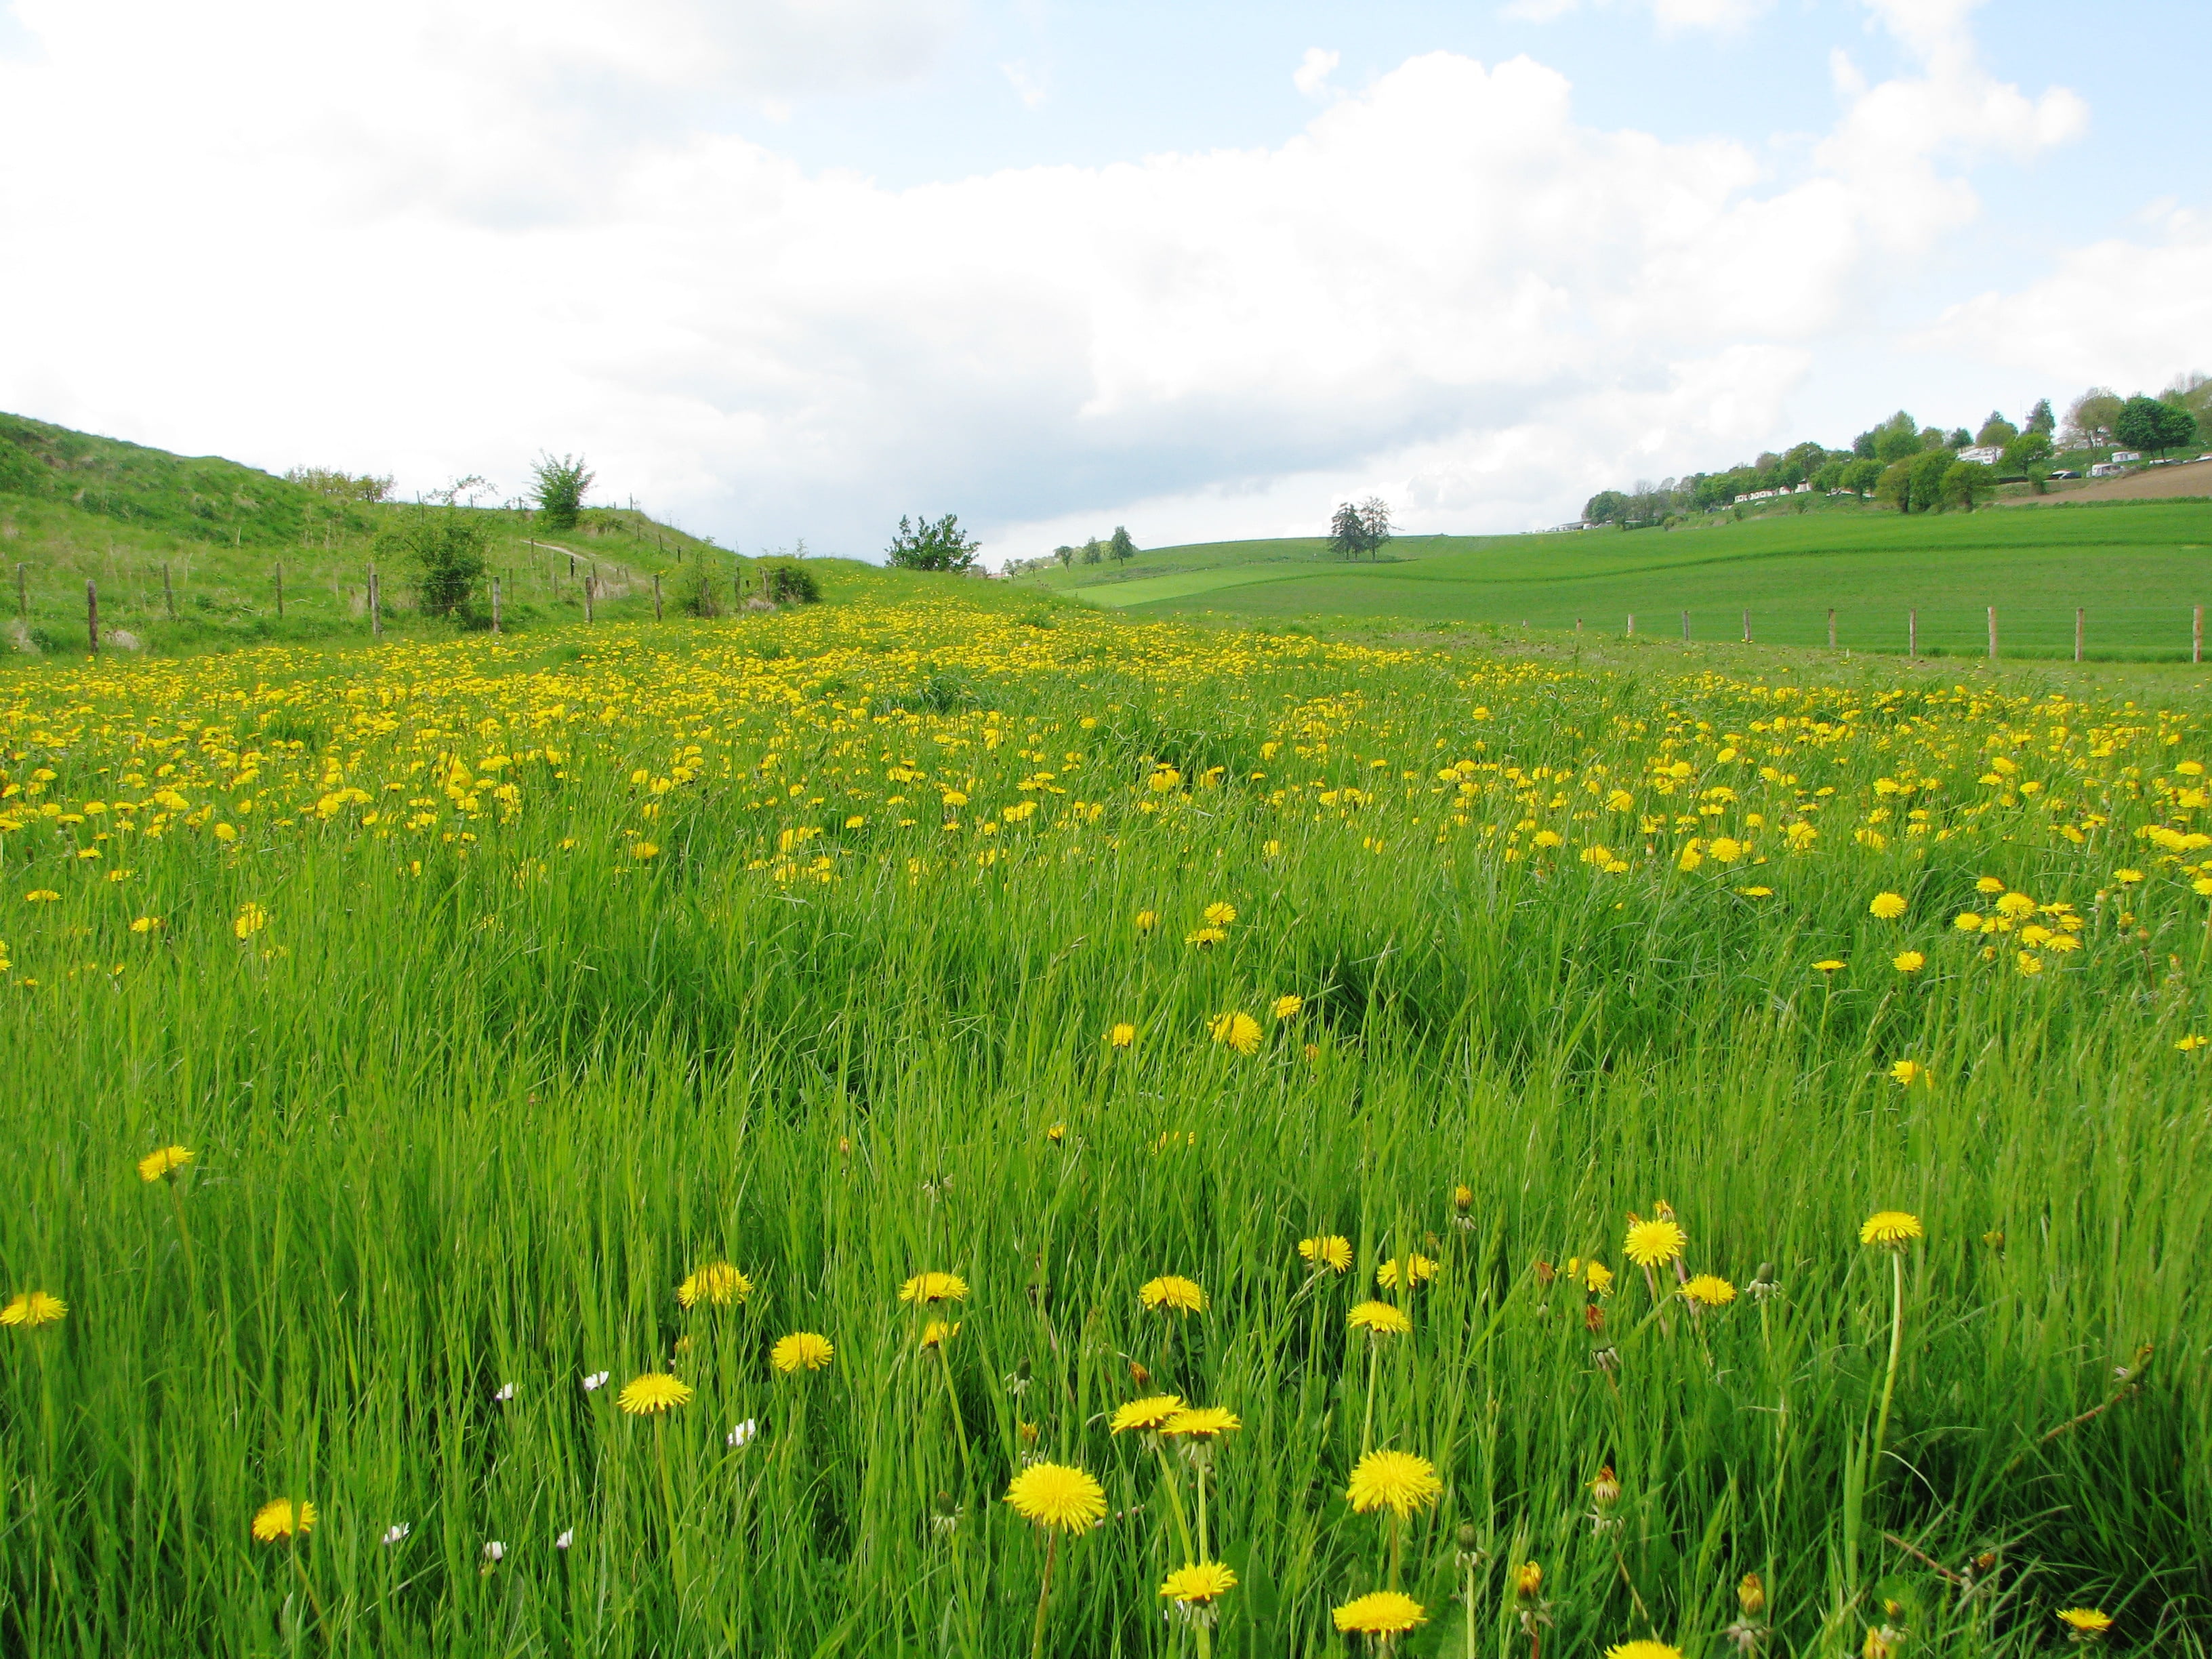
(189, 552)
(2136, 569)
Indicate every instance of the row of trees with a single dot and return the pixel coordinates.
(1919, 469)
(557, 487)
(1361, 531)
(1121, 547)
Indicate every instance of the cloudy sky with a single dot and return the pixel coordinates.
(790, 268)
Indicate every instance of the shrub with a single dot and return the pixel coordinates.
(791, 584)
(700, 595)
(562, 481)
(447, 547)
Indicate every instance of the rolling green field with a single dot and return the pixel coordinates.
(427, 1060)
(2138, 570)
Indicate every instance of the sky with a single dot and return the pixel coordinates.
(793, 269)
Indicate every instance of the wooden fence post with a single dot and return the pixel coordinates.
(656, 596)
(168, 594)
(1832, 627)
(1686, 628)
(2078, 620)
(495, 605)
(1631, 624)
(1912, 635)
(588, 586)
(1747, 628)
(375, 606)
(92, 614)
(1993, 633)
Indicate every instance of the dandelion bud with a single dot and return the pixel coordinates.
(1462, 1199)
(1139, 1376)
(1994, 1238)
(1593, 1318)
(1545, 1273)
(1607, 1359)
(1751, 1595)
(1527, 1581)
(1604, 1490)
(1467, 1536)
(1882, 1643)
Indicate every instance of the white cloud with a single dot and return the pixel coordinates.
(1032, 86)
(384, 241)
(2125, 313)
(1311, 75)
(1669, 15)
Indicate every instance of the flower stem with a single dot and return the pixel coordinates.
(1174, 1498)
(959, 1428)
(1889, 1379)
(1044, 1593)
(1367, 1428)
(1395, 1524)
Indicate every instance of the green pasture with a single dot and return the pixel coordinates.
(2136, 571)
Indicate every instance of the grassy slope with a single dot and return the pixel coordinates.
(2137, 568)
(75, 508)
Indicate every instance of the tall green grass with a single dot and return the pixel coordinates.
(465, 1112)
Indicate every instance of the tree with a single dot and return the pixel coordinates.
(2146, 424)
(1862, 475)
(341, 486)
(1928, 469)
(562, 481)
(1604, 507)
(1965, 483)
(1347, 538)
(1065, 554)
(1895, 487)
(2040, 419)
(938, 545)
(446, 544)
(1996, 432)
(1960, 438)
(1894, 440)
(2030, 450)
(1122, 546)
(1374, 523)
(1092, 552)
(2090, 421)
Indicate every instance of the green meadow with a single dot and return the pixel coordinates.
(556, 1024)
(2138, 570)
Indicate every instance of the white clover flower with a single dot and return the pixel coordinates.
(394, 1533)
(595, 1381)
(505, 1394)
(742, 1436)
(567, 1537)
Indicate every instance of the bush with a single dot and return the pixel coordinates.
(790, 583)
(447, 547)
(932, 545)
(562, 481)
(700, 595)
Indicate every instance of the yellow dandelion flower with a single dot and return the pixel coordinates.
(2028, 962)
(2015, 905)
(1907, 1073)
(1989, 885)
(1908, 961)
(2191, 1042)
(924, 1288)
(1287, 1006)
(1395, 1480)
(1642, 1649)
(1202, 1422)
(1892, 1229)
(1146, 1413)
(2127, 878)
(1652, 1244)
(801, 1351)
(33, 1309)
(163, 1161)
(1217, 915)
(1725, 850)
(1379, 1612)
(1122, 1034)
(642, 850)
(2086, 1622)
(718, 1284)
(1828, 965)
(1204, 937)
(1237, 1031)
(1527, 1581)
(1058, 1495)
(651, 1392)
(1711, 1289)
(279, 1518)
(250, 920)
(1419, 1270)
(1330, 1250)
(1170, 1291)
(1379, 1318)
(1198, 1584)
(1599, 1278)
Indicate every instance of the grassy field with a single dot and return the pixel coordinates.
(2137, 569)
(201, 553)
(617, 1004)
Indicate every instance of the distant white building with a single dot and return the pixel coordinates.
(2107, 469)
(1984, 454)
(2122, 457)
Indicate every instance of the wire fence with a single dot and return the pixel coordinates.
(2137, 633)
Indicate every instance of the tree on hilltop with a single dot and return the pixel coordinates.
(2146, 424)
(1122, 547)
(1996, 432)
(938, 544)
(561, 482)
(2040, 419)
(2090, 421)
